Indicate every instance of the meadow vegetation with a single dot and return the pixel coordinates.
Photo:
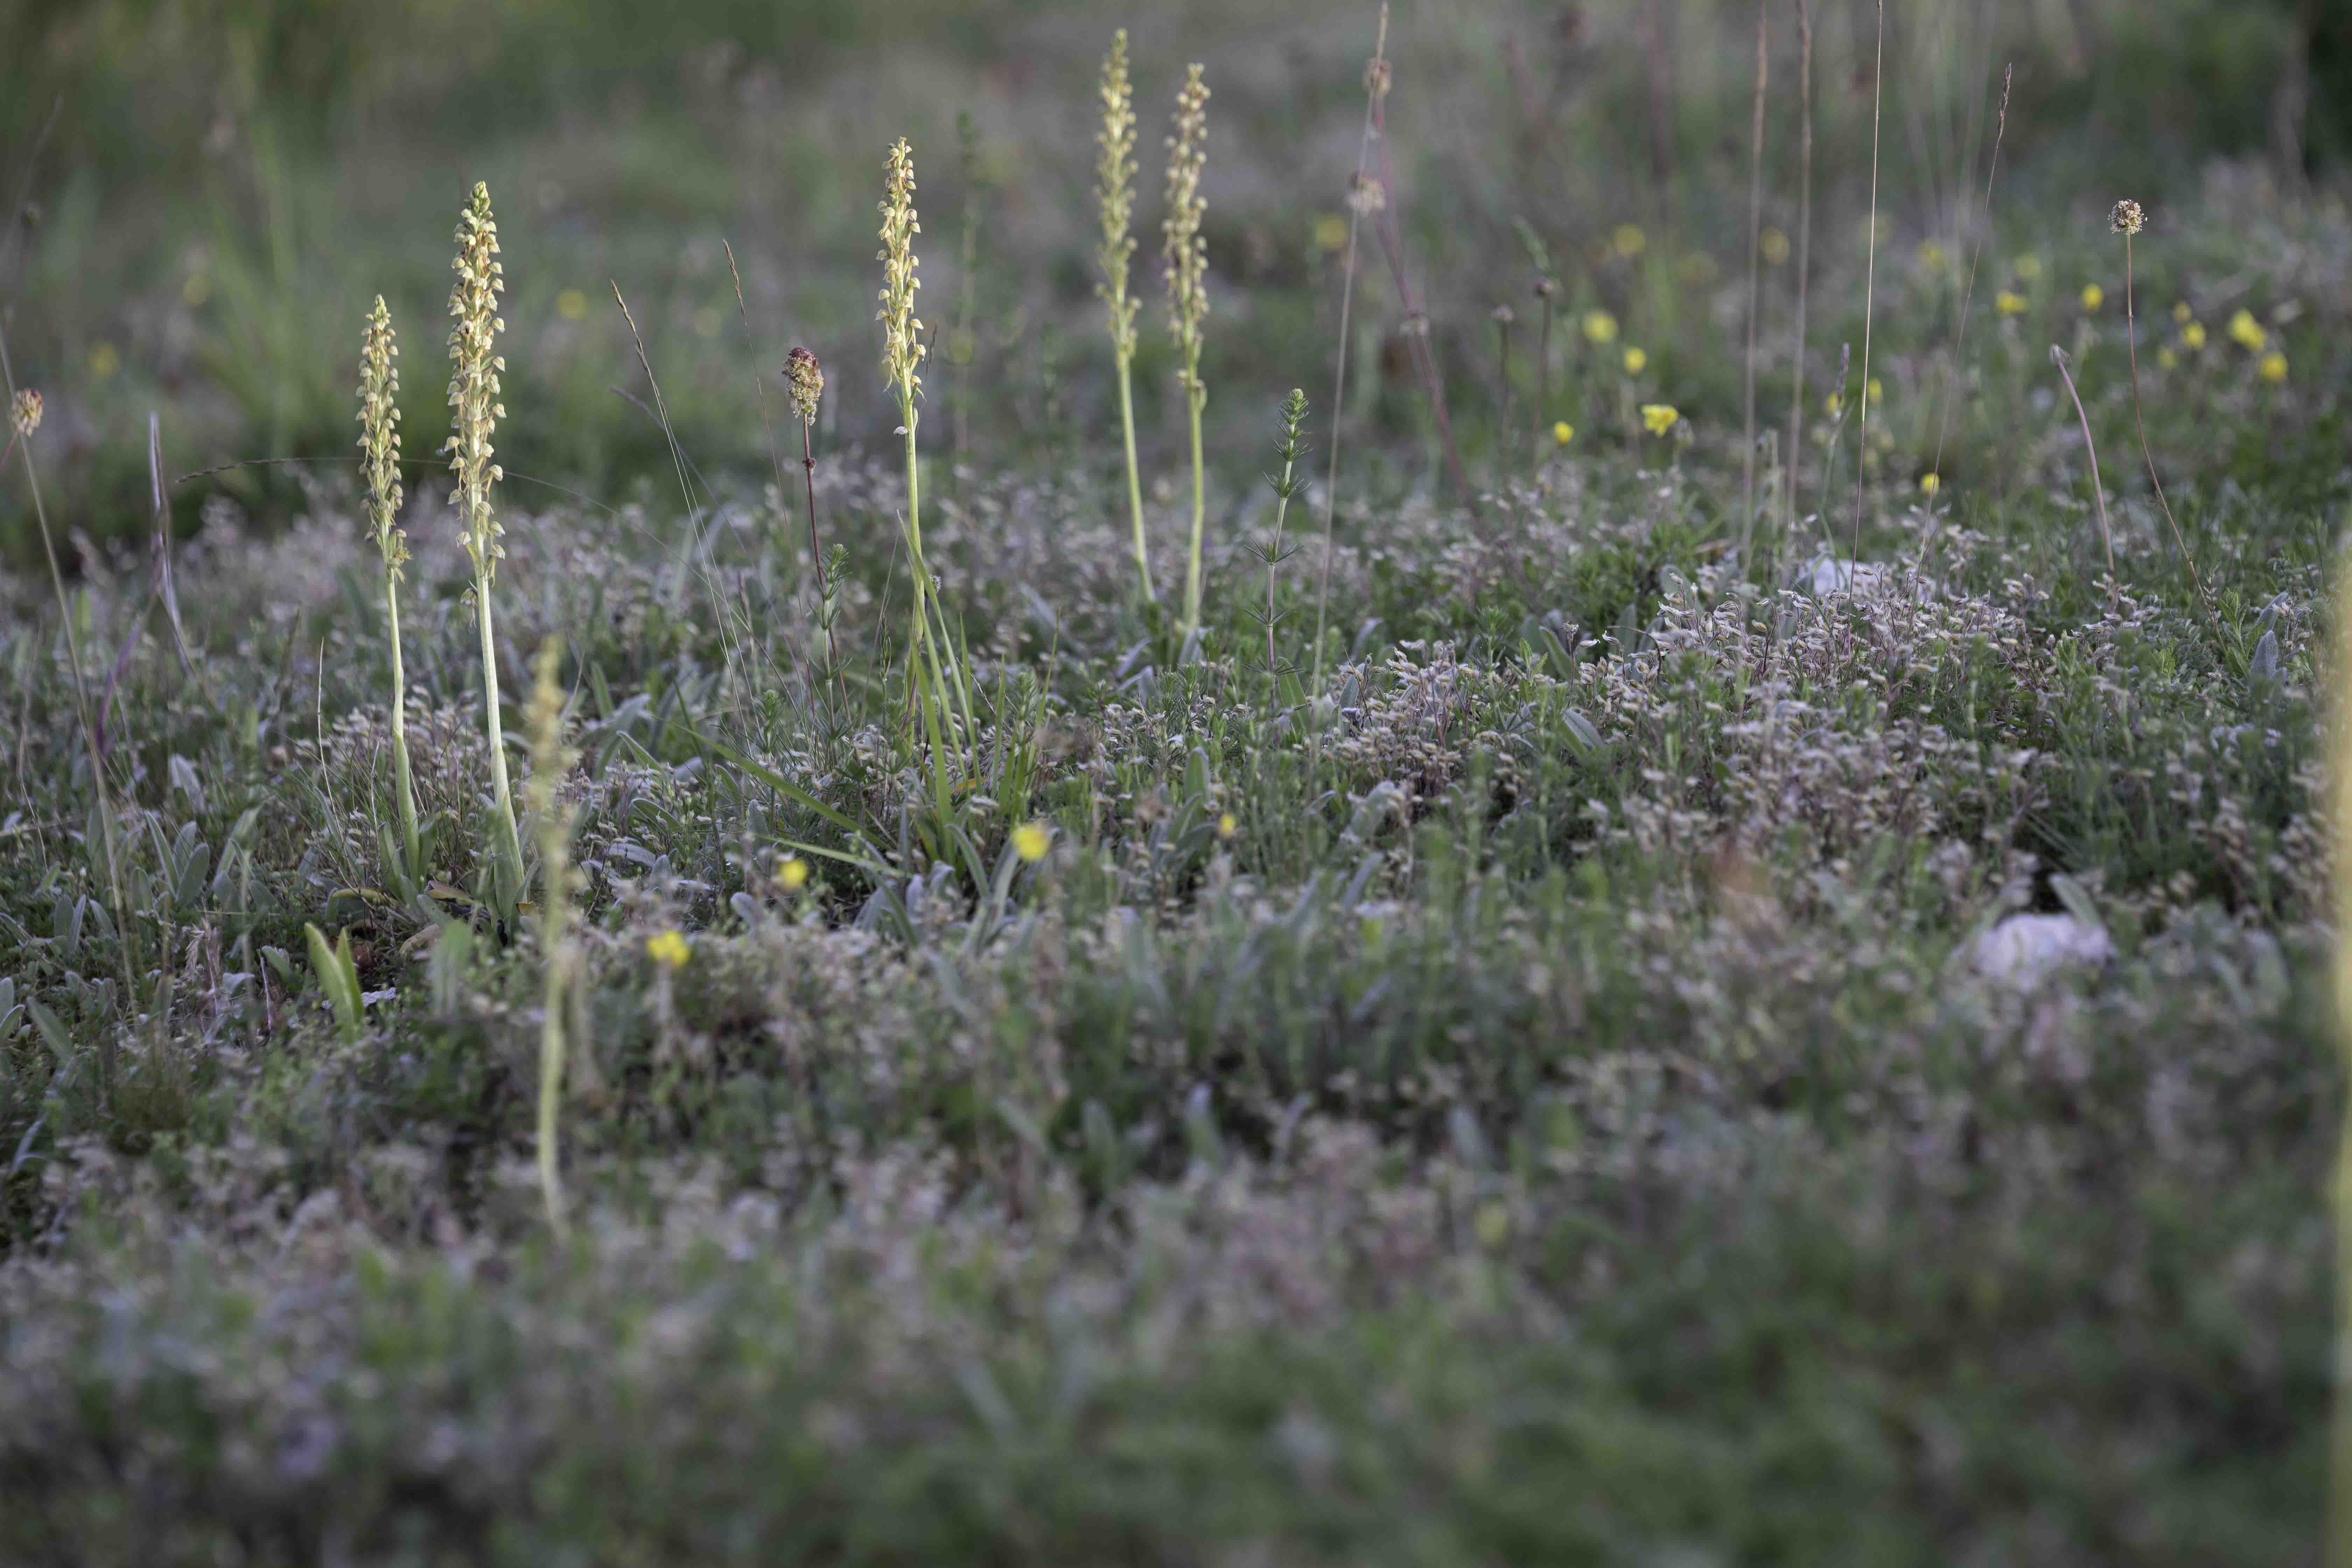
(1608, 981)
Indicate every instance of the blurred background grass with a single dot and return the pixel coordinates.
(226, 184)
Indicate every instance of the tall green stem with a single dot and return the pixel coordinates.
(411, 841)
(1196, 396)
(1134, 483)
(511, 844)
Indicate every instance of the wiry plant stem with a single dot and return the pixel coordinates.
(1968, 290)
(2098, 491)
(25, 414)
(2131, 340)
(1804, 249)
(1870, 284)
(1755, 286)
(1357, 195)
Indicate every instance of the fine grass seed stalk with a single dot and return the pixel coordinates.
(1185, 251)
(473, 395)
(552, 822)
(1115, 196)
(380, 467)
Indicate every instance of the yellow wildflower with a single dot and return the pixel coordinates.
(1227, 826)
(2181, 312)
(2166, 359)
(1635, 361)
(1562, 432)
(2248, 333)
(2029, 268)
(2193, 335)
(668, 949)
(1875, 393)
(1600, 326)
(1031, 840)
(2009, 302)
(1834, 402)
(1330, 232)
(571, 305)
(1931, 255)
(1627, 240)
(1775, 246)
(1660, 417)
(2273, 366)
(793, 875)
(2093, 296)
(1931, 483)
(104, 360)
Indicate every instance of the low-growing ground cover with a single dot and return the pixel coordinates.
(1546, 1067)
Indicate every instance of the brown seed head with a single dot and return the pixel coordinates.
(805, 380)
(2126, 219)
(24, 412)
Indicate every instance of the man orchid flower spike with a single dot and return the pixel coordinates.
(1186, 255)
(380, 467)
(475, 367)
(1115, 193)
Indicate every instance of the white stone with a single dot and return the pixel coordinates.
(2025, 950)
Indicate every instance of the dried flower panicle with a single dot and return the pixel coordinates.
(380, 434)
(1366, 195)
(803, 383)
(2126, 217)
(902, 348)
(1183, 248)
(1115, 191)
(25, 411)
(474, 378)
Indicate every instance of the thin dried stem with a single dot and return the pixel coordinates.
(1358, 195)
(2098, 491)
(1804, 246)
(1870, 284)
(1755, 286)
(1968, 290)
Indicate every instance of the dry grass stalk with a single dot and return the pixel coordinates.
(1804, 249)
(1755, 285)
(2127, 220)
(2098, 491)
(1870, 280)
(1358, 195)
